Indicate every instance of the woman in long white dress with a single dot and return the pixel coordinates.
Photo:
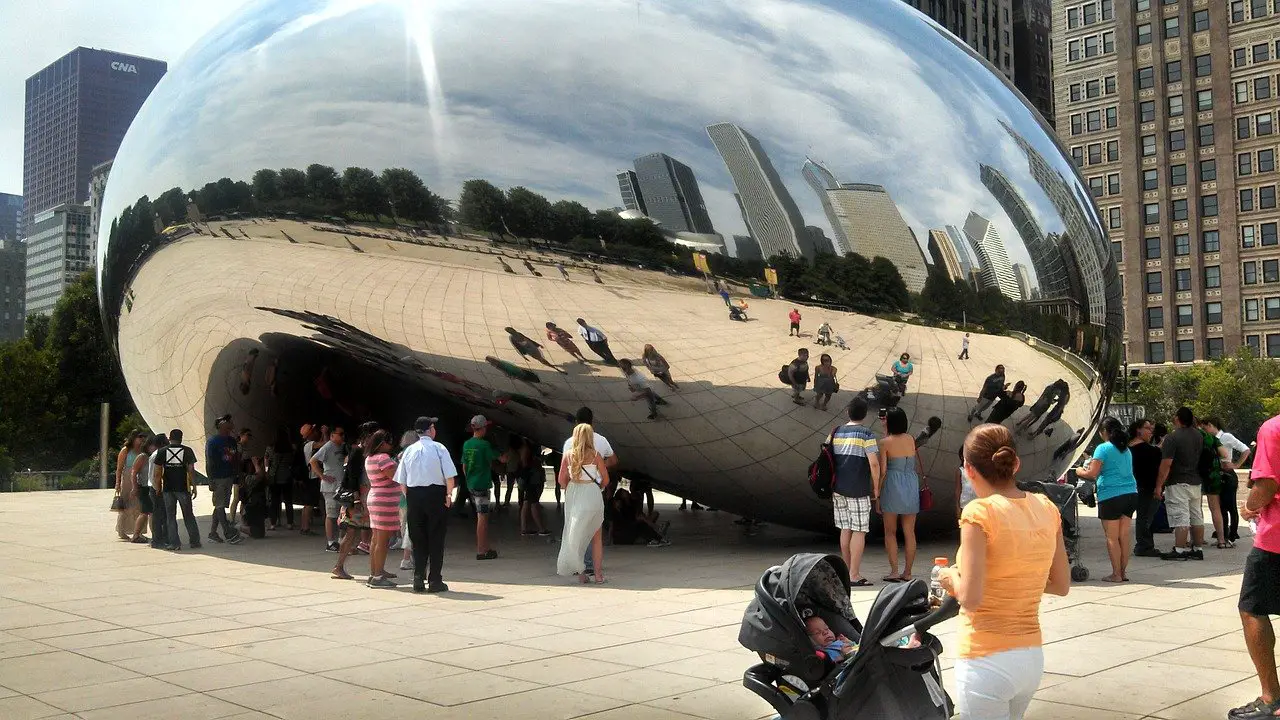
(584, 477)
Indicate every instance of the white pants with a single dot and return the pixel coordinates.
(999, 686)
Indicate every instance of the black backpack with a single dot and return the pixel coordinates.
(822, 472)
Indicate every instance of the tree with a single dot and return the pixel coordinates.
(36, 329)
(171, 206)
(409, 197)
(364, 193)
(324, 186)
(528, 214)
(569, 220)
(293, 184)
(886, 285)
(266, 185)
(481, 206)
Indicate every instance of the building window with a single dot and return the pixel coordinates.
(1177, 176)
(1112, 117)
(1151, 213)
(1267, 197)
(1244, 164)
(1204, 65)
(1262, 88)
(1242, 92)
(1273, 345)
(1237, 11)
(1260, 52)
(1181, 245)
(1117, 252)
(1091, 46)
(1074, 91)
(1173, 71)
(1109, 84)
(1179, 210)
(1270, 271)
(1113, 184)
(1175, 106)
(1092, 89)
(1155, 318)
(1242, 128)
(1257, 9)
(1200, 20)
(1213, 348)
(1151, 248)
(1150, 179)
(1208, 170)
(1155, 352)
(1177, 140)
(1095, 153)
(1148, 145)
(1253, 342)
(1113, 218)
(1171, 27)
(1239, 57)
(1213, 276)
(1146, 78)
(1155, 283)
(1246, 200)
(1206, 134)
(1089, 14)
(1113, 150)
(1266, 160)
(1251, 273)
(1184, 316)
(1268, 234)
(1208, 206)
(1182, 280)
(1186, 350)
(1144, 34)
(1077, 156)
(1147, 111)
(1095, 186)
(1108, 43)
(1073, 50)
(1107, 12)
(1271, 308)
(1073, 18)
(1204, 100)
(1209, 241)
(1248, 236)
(1251, 311)
(1262, 124)
(1093, 121)
(1077, 124)
(1212, 313)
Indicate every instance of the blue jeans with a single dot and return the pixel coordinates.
(173, 501)
(159, 521)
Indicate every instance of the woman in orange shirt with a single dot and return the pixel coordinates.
(1011, 554)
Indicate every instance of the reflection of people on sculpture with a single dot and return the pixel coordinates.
(902, 369)
(794, 317)
(1008, 402)
(824, 333)
(563, 273)
(1042, 403)
(797, 372)
(531, 268)
(1056, 413)
(246, 371)
(515, 372)
(597, 341)
(272, 368)
(564, 340)
(658, 366)
(738, 310)
(991, 388)
(640, 389)
(528, 347)
(824, 382)
(505, 266)
(631, 523)
(596, 275)
(931, 429)
(724, 295)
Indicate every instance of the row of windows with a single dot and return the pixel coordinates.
(1091, 45)
(1257, 309)
(1186, 349)
(1177, 140)
(1257, 53)
(1270, 271)
(1263, 161)
(1261, 235)
(1178, 210)
(1186, 318)
(1093, 88)
(1182, 279)
(1259, 125)
(1089, 13)
(1262, 198)
(1261, 87)
(1201, 65)
(1094, 153)
(1152, 248)
(1172, 26)
(1112, 185)
(1093, 120)
(1257, 9)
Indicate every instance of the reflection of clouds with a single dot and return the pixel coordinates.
(559, 106)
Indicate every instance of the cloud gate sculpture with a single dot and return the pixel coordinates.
(336, 211)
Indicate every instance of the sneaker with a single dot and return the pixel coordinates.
(214, 537)
(437, 587)
(663, 527)
(331, 546)
(363, 548)
(1176, 554)
(377, 581)
(173, 548)
(419, 586)
(544, 533)
(1149, 552)
(1196, 554)
(1257, 710)
(236, 540)
(659, 543)
(194, 546)
(395, 545)
(490, 555)
(406, 564)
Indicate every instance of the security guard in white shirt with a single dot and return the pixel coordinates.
(427, 473)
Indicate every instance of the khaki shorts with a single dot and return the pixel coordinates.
(1182, 503)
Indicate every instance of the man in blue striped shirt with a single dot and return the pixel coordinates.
(857, 485)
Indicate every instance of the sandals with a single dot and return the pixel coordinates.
(891, 579)
(600, 580)
(860, 582)
(1225, 545)
(341, 575)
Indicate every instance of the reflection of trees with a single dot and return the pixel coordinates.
(851, 280)
(957, 300)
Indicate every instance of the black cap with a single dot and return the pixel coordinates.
(424, 423)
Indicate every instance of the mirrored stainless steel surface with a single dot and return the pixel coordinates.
(253, 265)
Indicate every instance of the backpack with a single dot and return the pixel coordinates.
(784, 377)
(822, 472)
(1209, 466)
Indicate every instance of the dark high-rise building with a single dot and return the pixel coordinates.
(77, 112)
(10, 216)
(1033, 73)
(988, 32)
(13, 273)
(670, 194)
(629, 188)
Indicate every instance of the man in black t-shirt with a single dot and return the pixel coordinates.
(1146, 469)
(175, 476)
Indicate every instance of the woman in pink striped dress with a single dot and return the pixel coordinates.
(383, 504)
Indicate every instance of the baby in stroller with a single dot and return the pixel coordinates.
(804, 675)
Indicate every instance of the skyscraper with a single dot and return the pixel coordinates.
(57, 251)
(77, 111)
(967, 259)
(821, 180)
(945, 257)
(1033, 70)
(13, 273)
(97, 188)
(1045, 256)
(629, 187)
(875, 228)
(746, 248)
(988, 32)
(10, 216)
(994, 270)
(771, 213)
(1024, 281)
(670, 194)
(1169, 110)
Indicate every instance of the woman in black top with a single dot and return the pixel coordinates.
(1146, 468)
(281, 457)
(1008, 402)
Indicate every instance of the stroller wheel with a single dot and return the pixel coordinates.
(1079, 573)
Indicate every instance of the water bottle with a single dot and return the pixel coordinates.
(936, 593)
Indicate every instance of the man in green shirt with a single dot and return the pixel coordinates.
(478, 458)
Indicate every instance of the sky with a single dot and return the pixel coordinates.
(34, 34)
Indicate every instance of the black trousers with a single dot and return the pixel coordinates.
(428, 520)
(1230, 511)
(1144, 538)
(601, 348)
(282, 496)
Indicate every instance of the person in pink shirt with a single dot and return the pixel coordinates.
(1260, 589)
(794, 317)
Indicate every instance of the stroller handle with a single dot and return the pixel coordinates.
(949, 608)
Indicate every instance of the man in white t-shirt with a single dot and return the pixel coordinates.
(329, 464)
(604, 450)
(964, 347)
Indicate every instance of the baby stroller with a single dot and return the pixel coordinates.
(1065, 496)
(887, 391)
(879, 680)
(738, 313)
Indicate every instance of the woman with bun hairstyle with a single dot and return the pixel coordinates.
(1112, 466)
(1011, 554)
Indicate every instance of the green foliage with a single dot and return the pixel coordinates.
(481, 206)
(1241, 391)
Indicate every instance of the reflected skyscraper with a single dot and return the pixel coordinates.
(670, 195)
(944, 255)
(875, 228)
(1046, 259)
(629, 188)
(746, 248)
(967, 260)
(771, 213)
(1024, 281)
(821, 180)
(994, 269)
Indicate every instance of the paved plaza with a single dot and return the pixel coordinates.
(94, 628)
